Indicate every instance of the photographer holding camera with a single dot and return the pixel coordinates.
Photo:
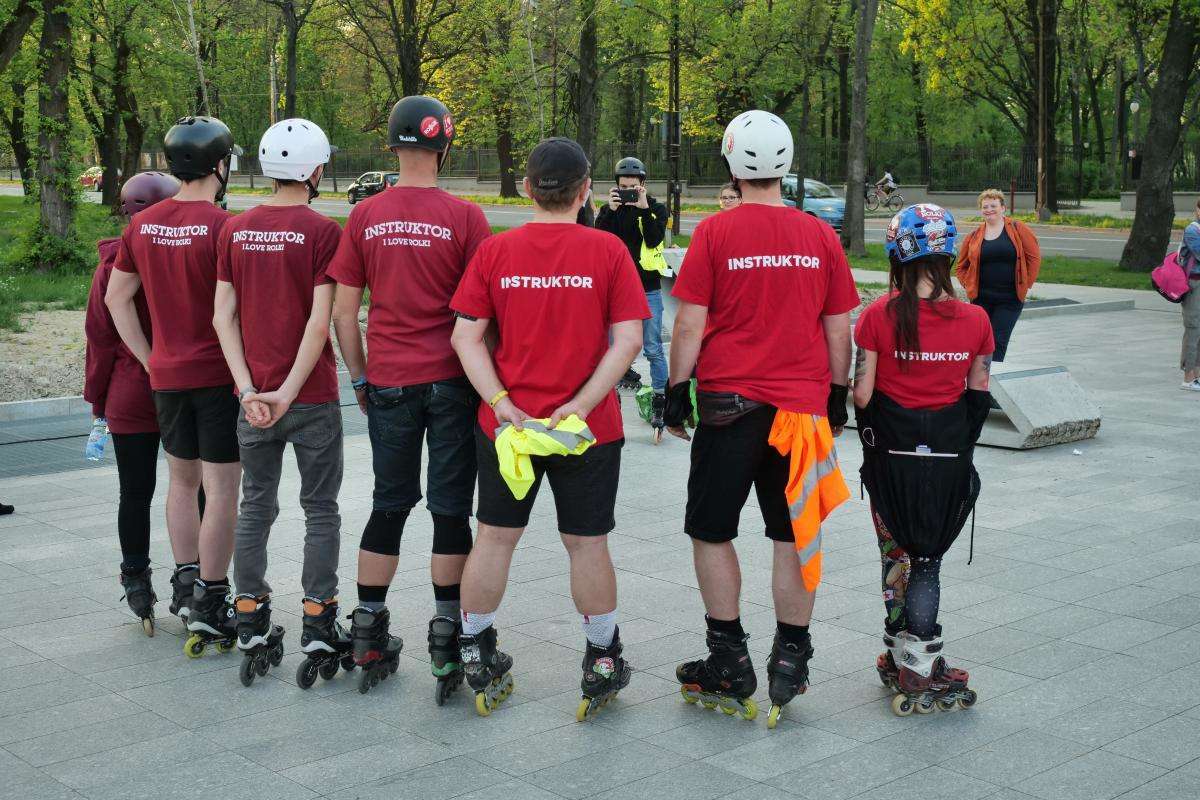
(638, 219)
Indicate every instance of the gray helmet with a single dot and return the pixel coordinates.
(630, 167)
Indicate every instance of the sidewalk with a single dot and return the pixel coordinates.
(1079, 621)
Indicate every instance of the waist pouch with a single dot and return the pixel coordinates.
(723, 408)
(918, 469)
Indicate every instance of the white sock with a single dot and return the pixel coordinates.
(473, 624)
(599, 628)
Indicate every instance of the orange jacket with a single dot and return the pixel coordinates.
(1029, 258)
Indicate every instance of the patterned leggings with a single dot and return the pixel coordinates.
(911, 587)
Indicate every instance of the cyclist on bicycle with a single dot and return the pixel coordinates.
(886, 185)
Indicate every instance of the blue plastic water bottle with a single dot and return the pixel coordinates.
(94, 450)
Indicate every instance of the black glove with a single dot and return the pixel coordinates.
(836, 408)
(679, 405)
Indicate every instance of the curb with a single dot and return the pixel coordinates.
(1078, 308)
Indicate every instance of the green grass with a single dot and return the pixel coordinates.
(1103, 221)
(1055, 269)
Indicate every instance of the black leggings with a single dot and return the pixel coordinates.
(912, 587)
(1003, 313)
(137, 471)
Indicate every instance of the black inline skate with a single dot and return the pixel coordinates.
(787, 674)
(211, 620)
(927, 682)
(183, 588)
(658, 404)
(324, 641)
(630, 380)
(486, 669)
(605, 673)
(887, 664)
(726, 678)
(445, 657)
(139, 593)
(261, 642)
(376, 651)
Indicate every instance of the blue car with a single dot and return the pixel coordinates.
(819, 200)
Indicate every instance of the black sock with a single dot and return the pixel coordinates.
(132, 565)
(222, 583)
(792, 634)
(731, 626)
(372, 594)
(447, 600)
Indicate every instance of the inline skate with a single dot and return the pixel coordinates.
(726, 678)
(887, 662)
(658, 404)
(139, 593)
(445, 658)
(375, 650)
(211, 620)
(605, 673)
(183, 587)
(927, 683)
(632, 379)
(261, 642)
(787, 674)
(486, 669)
(325, 643)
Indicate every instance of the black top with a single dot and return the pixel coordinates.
(998, 266)
(624, 223)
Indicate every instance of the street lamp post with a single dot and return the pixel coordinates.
(673, 124)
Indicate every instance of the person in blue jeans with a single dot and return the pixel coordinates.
(1189, 257)
(636, 222)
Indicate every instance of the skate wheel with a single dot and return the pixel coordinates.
(708, 704)
(968, 699)
(392, 667)
(276, 655)
(688, 697)
(262, 664)
(247, 671)
(773, 717)
(750, 711)
(441, 692)
(925, 707)
(148, 625)
(947, 705)
(306, 674)
(224, 647)
(658, 432)
(364, 682)
(482, 707)
(348, 663)
(901, 705)
(328, 670)
(193, 646)
(729, 711)
(583, 710)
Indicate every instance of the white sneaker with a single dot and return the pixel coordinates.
(1191, 386)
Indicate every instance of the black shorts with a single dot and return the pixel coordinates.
(584, 487)
(726, 461)
(200, 423)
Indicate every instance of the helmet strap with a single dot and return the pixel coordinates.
(223, 179)
(313, 194)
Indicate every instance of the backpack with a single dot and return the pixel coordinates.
(1170, 279)
(651, 258)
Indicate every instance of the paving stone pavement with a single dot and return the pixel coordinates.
(1079, 621)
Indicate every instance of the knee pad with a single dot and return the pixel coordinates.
(451, 535)
(383, 532)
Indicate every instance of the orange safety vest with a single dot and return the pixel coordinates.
(815, 484)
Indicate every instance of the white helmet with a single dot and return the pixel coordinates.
(292, 150)
(757, 144)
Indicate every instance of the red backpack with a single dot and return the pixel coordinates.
(1170, 279)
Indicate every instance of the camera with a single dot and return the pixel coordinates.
(628, 195)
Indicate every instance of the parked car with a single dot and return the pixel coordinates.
(819, 200)
(370, 183)
(92, 178)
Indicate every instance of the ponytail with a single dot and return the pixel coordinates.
(904, 306)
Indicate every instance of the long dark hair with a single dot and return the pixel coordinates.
(904, 305)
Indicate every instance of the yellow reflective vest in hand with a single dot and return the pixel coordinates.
(571, 437)
(815, 484)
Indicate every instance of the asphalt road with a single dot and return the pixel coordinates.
(1055, 239)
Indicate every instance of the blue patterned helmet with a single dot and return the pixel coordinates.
(921, 230)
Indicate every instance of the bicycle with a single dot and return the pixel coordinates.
(875, 197)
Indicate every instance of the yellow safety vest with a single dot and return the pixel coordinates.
(571, 437)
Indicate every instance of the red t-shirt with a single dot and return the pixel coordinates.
(554, 291)
(274, 256)
(951, 334)
(767, 274)
(172, 247)
(409, 246)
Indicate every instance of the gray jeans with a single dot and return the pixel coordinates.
(1190, 357)
(315, 431)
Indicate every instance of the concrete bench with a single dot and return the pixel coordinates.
(1039, 406)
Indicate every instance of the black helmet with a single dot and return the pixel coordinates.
(196, 146)
(630, 167)
(421, 121)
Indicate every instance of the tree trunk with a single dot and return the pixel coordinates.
(921, 120)
(409, 46)
(54, 134)
(14, 125)
(1097, 117)
(852, 226)
(1047, 33)
(585, 108)
(1118, 131)
(1077, 125)
(292, 27)
(504, 152)
(1150, 236)
(14, 31)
